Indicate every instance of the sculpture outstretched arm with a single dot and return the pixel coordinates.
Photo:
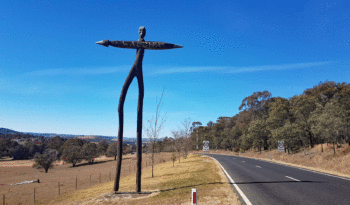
(105, 43)
(152, 45)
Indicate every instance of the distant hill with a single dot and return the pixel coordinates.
(92, 138)
(7, 131)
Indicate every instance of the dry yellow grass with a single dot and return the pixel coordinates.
(170, 185)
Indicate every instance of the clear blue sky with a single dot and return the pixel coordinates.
(55, 79)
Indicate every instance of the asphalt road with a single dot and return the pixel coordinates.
(263, 182)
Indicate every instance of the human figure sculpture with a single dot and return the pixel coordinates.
(136, 71)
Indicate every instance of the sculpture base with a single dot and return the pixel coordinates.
(110, 197)
(132, 192)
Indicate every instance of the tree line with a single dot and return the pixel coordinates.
(319, 115)
(44, 151)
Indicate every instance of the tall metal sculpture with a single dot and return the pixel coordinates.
(136, 71)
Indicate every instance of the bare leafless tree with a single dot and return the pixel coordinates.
(178, 141)
(182, 137)
(154, 128)
(186, 133)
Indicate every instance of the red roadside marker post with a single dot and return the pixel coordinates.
(194, 196)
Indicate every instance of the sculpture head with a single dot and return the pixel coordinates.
(142, 32)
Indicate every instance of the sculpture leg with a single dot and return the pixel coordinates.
(139, 131)
(121, 124)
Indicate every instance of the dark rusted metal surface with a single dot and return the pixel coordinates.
(152, 45)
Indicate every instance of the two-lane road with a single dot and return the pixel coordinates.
(263, 182)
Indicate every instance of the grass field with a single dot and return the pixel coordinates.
(170, 185)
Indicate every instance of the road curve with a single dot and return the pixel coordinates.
(262, 182)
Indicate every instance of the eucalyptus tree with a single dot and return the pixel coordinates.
(195, 126)
(102, 147)
(289, 133)
(214, 135)
(72, 151)
(254, 103)
(279, 113)
(72, 154)
(223, 128)
(55, 143)
(89, 152)
(257, 133)
(343, 98)
(323, 92)
(243, 121)
(210, 124)
(226, 142)
(331, 121)
(112, 150)
(302, 107)
(236, 133)
(315, 125)
(45, 161)
(246, 142)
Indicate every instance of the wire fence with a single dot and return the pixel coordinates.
(42, 192)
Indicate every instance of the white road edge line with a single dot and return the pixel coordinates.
(309, 170)
(257, 166)
(246, 200)
(293, 178)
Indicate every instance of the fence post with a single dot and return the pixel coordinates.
(34, 195)
(3, 199)
(76, 182)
